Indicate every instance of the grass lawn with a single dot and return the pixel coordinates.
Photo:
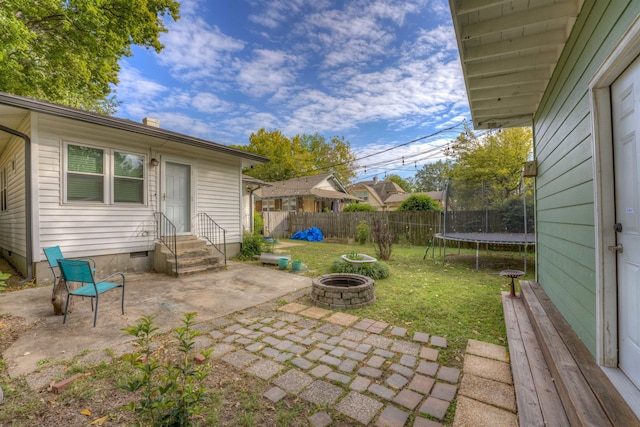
(449, 299)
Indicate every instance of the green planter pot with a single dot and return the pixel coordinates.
(283, 263)
(296, 265)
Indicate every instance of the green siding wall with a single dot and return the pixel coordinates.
(563, 147)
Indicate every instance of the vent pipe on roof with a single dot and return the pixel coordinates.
(151, 122)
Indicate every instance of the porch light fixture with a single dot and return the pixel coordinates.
(154, 162)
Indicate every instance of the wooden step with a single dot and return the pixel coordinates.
(588, 397)
(537, 398)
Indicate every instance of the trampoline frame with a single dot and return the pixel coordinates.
(514, 239)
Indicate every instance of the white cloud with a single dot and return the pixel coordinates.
(209, 103)
(267, 72)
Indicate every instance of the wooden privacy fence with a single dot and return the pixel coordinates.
(416, 227)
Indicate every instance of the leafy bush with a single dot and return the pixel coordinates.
(383, 239)
(375, 270)
(3, 277)
(172, 391)
(359, 207)
(252, 244)
(362, 232)
(419, 202)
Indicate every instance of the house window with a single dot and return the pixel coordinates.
(364, 195)
(128, 178)
(268, 205)
(3, 189)
(289, 204)
(103, 175)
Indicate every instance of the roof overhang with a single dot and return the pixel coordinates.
(508, 50)
(14, 110)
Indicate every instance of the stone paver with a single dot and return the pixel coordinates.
(405, 347)
(320, 371)
(422, 384)
(421, 337)
(488, 350)
(337, 377)
(320, 419)
(302, 363)
(359, 407)
(293, 307)
(439, 341)
(376, 361)
(315, 312)
(331, 329)
(354, 334)
(444, 391)
(240, 358)
(487, 368)
(265, 369)
(364, 324)
(343, 319)
(402, 370)
(423, 422)
(275, 394)
(398, 331)
(409, 399)
(448, 374)
(407, 360)
(360, 384)
(435, 407)
(370, 372)
(378, 341)
(293, 381)
(500, 395)
(396, 381)
(427, 368)
(392, 417)
(429, 353)
(470, 412)
(322, 393)
(381, 391)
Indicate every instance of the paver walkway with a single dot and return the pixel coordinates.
(367, 370)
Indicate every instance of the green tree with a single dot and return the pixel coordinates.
(300, 155)
(359, 207)
(496, 158)
(405, 185)
(419, 202)
(68, 52)
(433, 176)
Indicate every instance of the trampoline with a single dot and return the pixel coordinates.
(475, 212)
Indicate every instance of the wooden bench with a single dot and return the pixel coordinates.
(557, 381)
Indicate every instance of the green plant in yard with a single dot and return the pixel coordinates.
(362, 232)
(359, 207)
(375, 270)
(258, 223)
(354, 255)
(252, 244)
(383, 239)
(172, 391)
(3, 277)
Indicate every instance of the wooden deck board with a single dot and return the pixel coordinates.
(536, 394)
(613, 405)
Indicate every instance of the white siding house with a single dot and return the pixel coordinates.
(93, 184)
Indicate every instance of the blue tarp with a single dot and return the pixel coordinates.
(312, 234)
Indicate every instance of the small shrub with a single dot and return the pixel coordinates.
(252, 244)
(3, 277)
(172, 391)
(375, 270)
(383, 239)
(362, 232)
(359, 207)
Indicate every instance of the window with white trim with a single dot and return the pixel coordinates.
(100, 175)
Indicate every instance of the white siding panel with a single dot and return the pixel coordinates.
(12, 221)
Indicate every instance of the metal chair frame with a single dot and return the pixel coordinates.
(53, 254)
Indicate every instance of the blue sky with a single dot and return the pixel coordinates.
(378, 72)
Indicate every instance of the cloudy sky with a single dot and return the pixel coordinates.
(379, 73)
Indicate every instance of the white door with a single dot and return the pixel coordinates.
(625, 99)
(178, 196)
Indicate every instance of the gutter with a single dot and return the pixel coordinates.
(27, 199)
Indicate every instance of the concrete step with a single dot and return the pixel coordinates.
(191, 271)
(184, 262)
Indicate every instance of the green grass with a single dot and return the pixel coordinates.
(449, 299)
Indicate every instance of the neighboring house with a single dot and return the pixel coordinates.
(571, 69)
(315, 193)
(385, 195)
(94, 185)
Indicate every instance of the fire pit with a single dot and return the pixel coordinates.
(341, 290)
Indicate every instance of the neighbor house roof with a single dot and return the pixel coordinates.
(12, 108)
(306, 186)
(508, 50)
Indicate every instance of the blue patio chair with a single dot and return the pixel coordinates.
(79, 271)
(54, 254)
